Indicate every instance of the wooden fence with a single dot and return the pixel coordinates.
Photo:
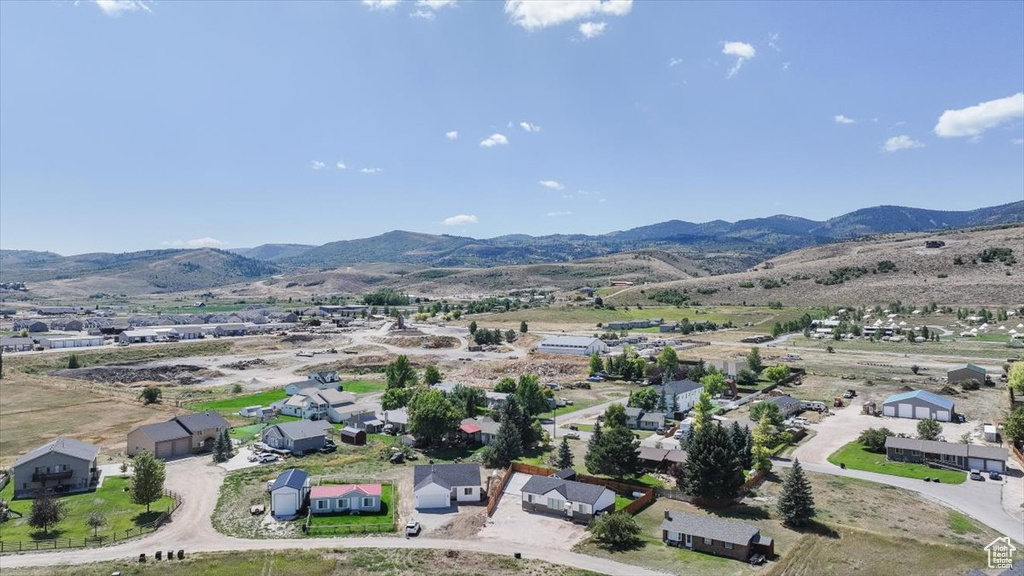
(494, 493)
(633, 507)
(1017, 454)
(101, 540)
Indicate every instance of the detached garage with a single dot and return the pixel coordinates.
(919, 404)
(288, 493)
(164, 440)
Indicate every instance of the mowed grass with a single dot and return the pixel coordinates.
(351, 562)
(622, 501)
(855, 456)
(111, 500)
(233, 404)
(362, 386)
(856, 552)
(960, 523)
(322, 524)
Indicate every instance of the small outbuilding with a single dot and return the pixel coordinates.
(288, 493)
(354, 436)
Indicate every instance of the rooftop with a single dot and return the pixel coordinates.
(66, 446)
(709, 527)
(339, 490)
(291, 478)
(572, 490)
(447, 475)
(922, 395)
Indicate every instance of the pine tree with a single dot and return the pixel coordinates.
(663, 400)
(619, 452)
(564, 459)
(748, 448)
(712, 468)
(739, 443)
(796, 503)
(595, 450)
(506, 446)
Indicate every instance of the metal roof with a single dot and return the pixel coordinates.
(582, 341)
(291, 478)
(922, 395)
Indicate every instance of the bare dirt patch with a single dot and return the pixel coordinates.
(183, 374)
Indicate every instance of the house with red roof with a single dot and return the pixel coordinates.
(335, 498)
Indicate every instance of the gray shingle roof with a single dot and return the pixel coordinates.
(633, 412)
(66, 446)
(951, 448)
(202, 421)
(783, 401)
(570, 489)
(677, 387)
(447, 475)
(292, 478)
(164, 431)
(709, 527)
(303, 429)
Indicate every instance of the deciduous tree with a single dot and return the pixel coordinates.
(616, 531)
(147, 483)
(431, 415)
(46, 511)
(431, 375)
(929, 429)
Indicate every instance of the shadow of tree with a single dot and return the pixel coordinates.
(50, 535)
(635, 544)
(146, 517)
(818, 529)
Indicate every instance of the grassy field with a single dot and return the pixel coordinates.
(350, 562)
(234, 404)
(362, 386)
(322, 524)
(958, 349)
(739, 315)
(855, 456)
(40, 363)
(111, 500)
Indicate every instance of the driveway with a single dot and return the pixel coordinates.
(511, 524)
(239, 460)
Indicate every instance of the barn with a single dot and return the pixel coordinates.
(919, 404)
(288, 493)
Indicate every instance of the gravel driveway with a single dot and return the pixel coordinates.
(511, 524)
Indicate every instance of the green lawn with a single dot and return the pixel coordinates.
(111, 500)
(362, 386)
(233, 404)
(961, 524)
(855, 456)
(622, 501)
(324, 523)
(578, 404)
(245, 432)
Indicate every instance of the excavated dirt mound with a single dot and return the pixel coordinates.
(246, 364)
(177, 374)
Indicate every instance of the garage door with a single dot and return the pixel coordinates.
(942, 415)
(906, 410)
(164, 449)
(182, 447)
(922, 412)
(432, 500)
(889, 410)
(283, 505)
(995, 465)
(976, 463)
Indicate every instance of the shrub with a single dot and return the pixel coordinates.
(873, 439)
(616, 531)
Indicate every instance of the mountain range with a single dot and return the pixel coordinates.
(738, 244)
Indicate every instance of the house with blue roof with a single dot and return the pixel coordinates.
(919, 404)
(288, 493)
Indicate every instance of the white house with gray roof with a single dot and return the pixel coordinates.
(680, 395)
(561, 495)
(298, 436)
(439, 485)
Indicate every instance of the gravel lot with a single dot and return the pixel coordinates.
(511, 524)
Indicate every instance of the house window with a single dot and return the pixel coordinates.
(321, 504)
(707, 540)
(467, 491)
(728, 545)
(529, 498)
(342, 502)
(367, 502)
(555, 504)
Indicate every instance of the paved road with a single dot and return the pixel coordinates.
(577, 417)
(191, 530)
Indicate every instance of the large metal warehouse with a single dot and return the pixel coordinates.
(918, 404)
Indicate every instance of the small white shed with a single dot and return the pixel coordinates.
(289, 492)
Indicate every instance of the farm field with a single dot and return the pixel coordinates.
(110, 499)
(585, 317)
(855, 456)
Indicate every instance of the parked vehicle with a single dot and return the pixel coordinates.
(412, 528)
(757, 559)
(850, 393)
(976, 475)
(266, 458)
(993, 475)
(573, 427)
(571, 435)
(595, 378)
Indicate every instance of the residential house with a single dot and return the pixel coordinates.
(495, 400)
(288, 493)
(919, 404)
(337, 498)
(231, 329)
(660, 458)
(314, 404)
(633, 415)
(137, 336)
(439, 485)
(561, 495)
(66, 324)
(573, 345)
(715, 536)
(296, 387)
(297, 436)
(966, 373)
(179, 436)
(479, 430)
(788, 406)
(363, 418)
(652, 421)
(16, 344)
(963, 456)
(397, 419)
(681, 395)
(31, 326)
(325, 377)
(62, 465)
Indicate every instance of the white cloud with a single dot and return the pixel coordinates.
(901, 142)
(340, 165)
(974, 120)
(742, 51)
(460, 220)
(773, 41)
(206, 242)
(423, 14)
(115, 8)
(557, 214)
(534, 14)
(380, 4)
(435, 4)
(494, 140)
(1018, 141)
(371, 170)
(672, 62)
(317, 165)
(453, 135)
(840, 119)
(552, 184)
(529, 127)
(592, 29)
(785, 65)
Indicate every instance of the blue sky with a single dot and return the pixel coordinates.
(134, 125)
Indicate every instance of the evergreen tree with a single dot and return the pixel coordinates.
(523, 327)
(506, 446)
(702, 411)
(796, 503)
(712, 468)
(595, 450)
(739, 442)
(595, 363)
(73, 362)
(619, 452)
(564, 459)
(754, 360)
(472, 327)
(148, 475)
(400, 373)
(431, 375)
(748, 449)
